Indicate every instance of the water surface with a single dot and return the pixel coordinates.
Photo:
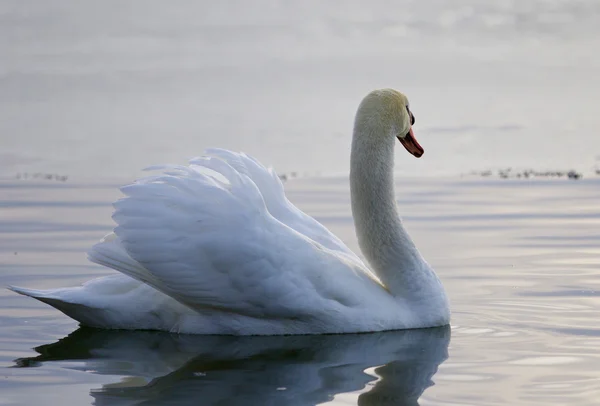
(519, 259)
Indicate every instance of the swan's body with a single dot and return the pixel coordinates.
(216, 248)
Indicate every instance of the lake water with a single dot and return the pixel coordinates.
(519, 259)
(91, 93)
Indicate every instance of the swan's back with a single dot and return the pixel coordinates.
(204, 236)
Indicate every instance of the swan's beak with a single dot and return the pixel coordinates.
(410, 143)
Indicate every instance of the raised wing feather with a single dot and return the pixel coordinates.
(271, 188)
(207, 239)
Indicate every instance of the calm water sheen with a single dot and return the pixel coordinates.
(519, 259)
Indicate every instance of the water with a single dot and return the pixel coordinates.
(253, 370)
(519, 260)
(91, 93)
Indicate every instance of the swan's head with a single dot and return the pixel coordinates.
(389, 111)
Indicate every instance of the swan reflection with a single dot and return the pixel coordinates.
(162, 368)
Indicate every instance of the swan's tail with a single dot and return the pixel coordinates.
(115, 302)
(97, 303)
(59, 299)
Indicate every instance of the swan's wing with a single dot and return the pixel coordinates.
(212, 244)
(271, 188)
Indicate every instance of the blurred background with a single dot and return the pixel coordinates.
(103, 89)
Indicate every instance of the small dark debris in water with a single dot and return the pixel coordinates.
(287, 176)
(43, 176)
(509, 173)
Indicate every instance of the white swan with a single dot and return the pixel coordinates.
(216, 248)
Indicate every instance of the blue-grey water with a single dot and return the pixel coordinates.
(519, 259)
(90, 93)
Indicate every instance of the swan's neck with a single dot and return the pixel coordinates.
(382, 238)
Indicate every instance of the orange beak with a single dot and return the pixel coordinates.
(410, 143)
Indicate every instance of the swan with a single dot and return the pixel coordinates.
(215, 247)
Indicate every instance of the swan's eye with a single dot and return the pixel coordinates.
(411, 115)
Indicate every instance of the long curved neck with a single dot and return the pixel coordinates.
(381, 235)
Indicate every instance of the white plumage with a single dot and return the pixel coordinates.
(215, 247)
